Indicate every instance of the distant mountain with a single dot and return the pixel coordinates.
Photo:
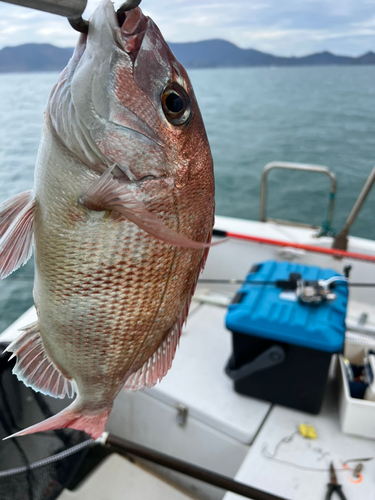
(205, 54)
(33, 57)
(220, 53)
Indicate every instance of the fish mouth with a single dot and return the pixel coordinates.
(133, 26)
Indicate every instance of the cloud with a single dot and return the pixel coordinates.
(290, 27)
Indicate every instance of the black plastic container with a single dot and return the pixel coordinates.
(288, 375)
(282, 348)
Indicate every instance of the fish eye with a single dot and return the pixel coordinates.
(176, 104)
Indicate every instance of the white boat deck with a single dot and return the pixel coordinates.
(117, 479)
(225, 431)
(286, 477)
(203, 386)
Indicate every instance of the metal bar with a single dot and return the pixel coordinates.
(291, 223)
(301, 167)
(124, 447)
(66, 8)
(341, 240)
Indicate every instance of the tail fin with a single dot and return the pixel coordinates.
(74, 418)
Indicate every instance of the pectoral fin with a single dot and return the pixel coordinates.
(16, 232)
(11, 208)
(106, 193)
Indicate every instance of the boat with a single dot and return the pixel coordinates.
(193, 423)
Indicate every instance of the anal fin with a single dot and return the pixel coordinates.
(34, 368)
(16, 233)
(157, 365)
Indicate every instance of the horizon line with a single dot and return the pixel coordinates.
(326, 51)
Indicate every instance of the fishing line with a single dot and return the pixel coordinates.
(287, 439)
(296, 466)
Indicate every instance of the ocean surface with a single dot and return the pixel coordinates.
(320, 115)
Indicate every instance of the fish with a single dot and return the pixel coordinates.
(120, 217)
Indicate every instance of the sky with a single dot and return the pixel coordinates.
(280, 27)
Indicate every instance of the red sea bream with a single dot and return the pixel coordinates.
(121, 217)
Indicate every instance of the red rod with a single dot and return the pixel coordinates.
(310, 248)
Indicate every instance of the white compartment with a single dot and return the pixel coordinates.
(220, 424)
(357, 416)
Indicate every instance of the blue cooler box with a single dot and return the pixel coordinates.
(282, 348)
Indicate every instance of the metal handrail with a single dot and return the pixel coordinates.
(302, 167)
(341, 240)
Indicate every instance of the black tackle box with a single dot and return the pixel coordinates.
(282, 347)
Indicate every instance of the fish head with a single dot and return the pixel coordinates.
(124, 99)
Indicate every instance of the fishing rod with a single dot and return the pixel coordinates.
(333, 252)
(278, 283)
(234, 281)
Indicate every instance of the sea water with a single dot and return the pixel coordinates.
(320, 115)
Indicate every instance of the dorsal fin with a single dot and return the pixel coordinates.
(158, 364)
(34, 368)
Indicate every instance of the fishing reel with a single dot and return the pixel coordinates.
(313, 292)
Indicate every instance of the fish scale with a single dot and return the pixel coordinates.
(90, 254)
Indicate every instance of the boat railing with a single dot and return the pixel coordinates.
(341, 240)
(327, 225)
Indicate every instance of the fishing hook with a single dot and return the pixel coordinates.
(81, 25)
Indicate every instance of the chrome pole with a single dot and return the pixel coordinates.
(66, 8)
(341, 240)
